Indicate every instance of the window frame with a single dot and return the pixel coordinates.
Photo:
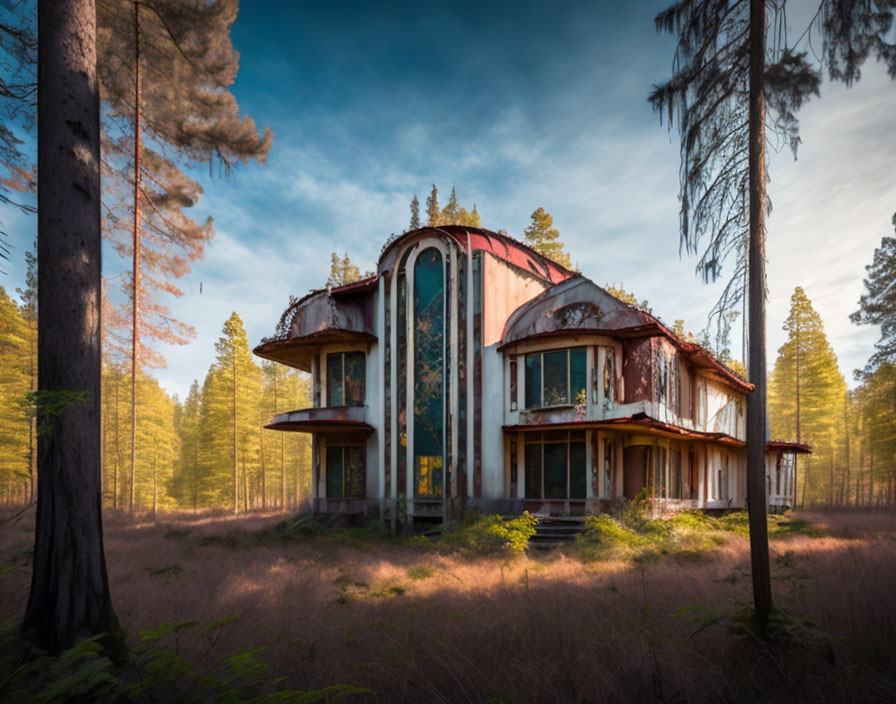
(342, 383)
(570, 400)
(342, 448)
(539, 440)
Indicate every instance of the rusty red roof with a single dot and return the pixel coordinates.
(502, 246)
(799, 448)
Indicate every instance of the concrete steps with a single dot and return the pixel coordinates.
(556, 531)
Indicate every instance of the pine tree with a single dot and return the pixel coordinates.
(415, 213)
(230, 408)
(18, 88)
(28, 296)
(181, 101)
(16, 336)
(184, 483)
(722, 94)
(69, 597)
(342, 271)
(433, 214)
(806, 392)
(877, 306)
(626, 297)
(451, 210)
(544, 238)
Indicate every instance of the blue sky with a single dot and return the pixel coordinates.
(518, 105)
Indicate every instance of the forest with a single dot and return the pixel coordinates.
(155, 548)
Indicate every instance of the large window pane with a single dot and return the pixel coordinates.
(578, 375)
(577, 470)
(334, 472)
(555, 470)
(533, 380)
(675, 473)
(335, 396)
(355, 461)
(533, 471)
(429, 373)
(556, 379)
(354, 378)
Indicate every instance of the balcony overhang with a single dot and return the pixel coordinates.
(297, 351)
(322, 420)
(637, 423)
(797, 448)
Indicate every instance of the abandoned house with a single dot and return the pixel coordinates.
(472, 370)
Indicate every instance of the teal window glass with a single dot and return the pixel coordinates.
(429, 373)
(533, 471)
(556, 377)
(335, 395)
(346, 471)
(533, 380)
(346, 375)
(555, 468)
(577, 474)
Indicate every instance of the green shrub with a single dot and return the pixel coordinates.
(607, 530)
(484, 534)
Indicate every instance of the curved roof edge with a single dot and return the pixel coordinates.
(578, 306)
(502, 246)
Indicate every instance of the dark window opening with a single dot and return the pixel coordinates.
(513, 367)
(346, 469)
(555, 466)
(675, 473)
(609, 463)
(557, 377)
(345, 379)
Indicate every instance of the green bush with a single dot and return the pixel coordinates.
(610, 532)
(484, 534)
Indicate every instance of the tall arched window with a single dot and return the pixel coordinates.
(429, 374)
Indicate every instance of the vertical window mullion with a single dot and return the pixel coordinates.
(541, 362)
(569, 398)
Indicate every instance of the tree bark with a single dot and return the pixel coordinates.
(69, 597)
(236, 495)
(756, 401)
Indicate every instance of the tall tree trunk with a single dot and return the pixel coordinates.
(870, 476)
(236, 495)
(155, 483)
(756, 401)
(117, 460)
(135, 332)
(264, 489)
(69, 597)
(196, 473)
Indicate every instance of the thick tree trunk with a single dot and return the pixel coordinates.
(756, 401)
(69, 597)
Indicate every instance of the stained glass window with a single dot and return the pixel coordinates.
(345, 379)
(429, 376)
(346, 469)
(556, 378)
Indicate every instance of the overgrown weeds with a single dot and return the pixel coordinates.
(158, 670)
(489, 534)
(690, 536)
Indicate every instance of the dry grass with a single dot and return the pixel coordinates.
(415, 625)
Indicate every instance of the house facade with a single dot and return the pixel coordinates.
(470, 370)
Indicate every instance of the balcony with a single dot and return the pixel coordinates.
(322, 420)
